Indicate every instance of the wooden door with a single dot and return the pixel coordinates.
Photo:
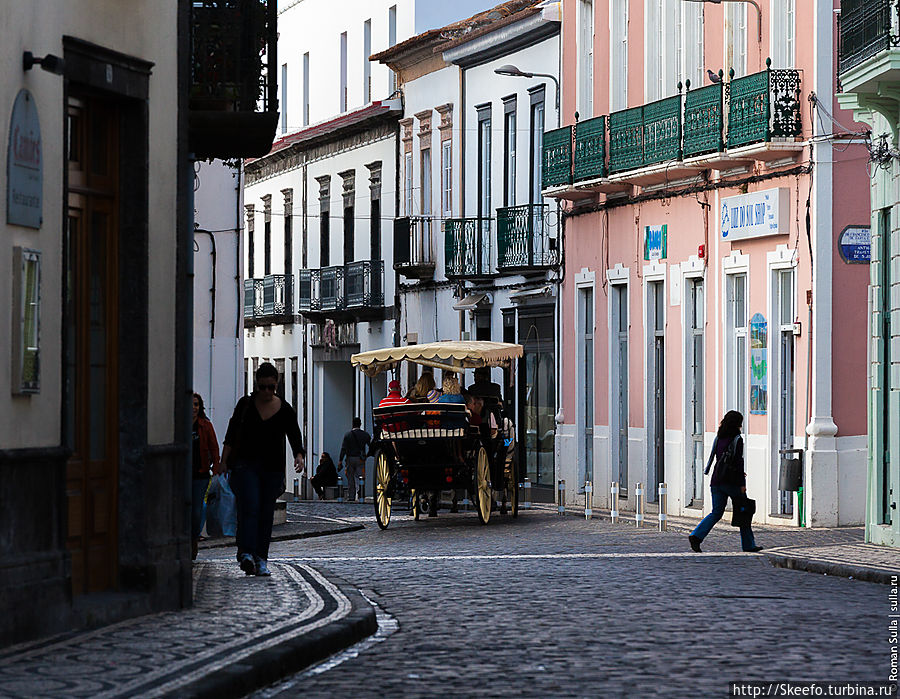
(91, 347)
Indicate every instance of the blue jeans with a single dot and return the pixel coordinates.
(720, 495)
(255, 491)
(198, 492)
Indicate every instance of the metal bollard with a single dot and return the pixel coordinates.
(588, 497)
(614, 506)
(663, 500)
(296, 489)
(561, 487)
(526, 494)
(341, 484)
(362, 488)
(638, 505)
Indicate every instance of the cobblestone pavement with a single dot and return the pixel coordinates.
(548, 606)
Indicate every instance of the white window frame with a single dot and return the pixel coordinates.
(284, 98)
(784, 33)
(447, 178)
(736, 265)
(408, 183)
(305, 115)
(367, 65)
(585, 65)
(618, 47)
(425, 175)
(585, 281)
(736, 38)
(691, 65)
(344, 97)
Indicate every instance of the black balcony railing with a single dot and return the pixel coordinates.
(867, 27)
(523, 238)
(333, 335)
(467, 247)
(413, 246)
(763, 106)
(268, 299)
(233, 91)
(356, 286)
(364, 284)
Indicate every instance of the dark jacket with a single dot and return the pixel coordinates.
(260, 443)
(486, 389)
(719, 477)
(356, 443)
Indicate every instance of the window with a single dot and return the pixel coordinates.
(425, 175)
(618, 77)
(284, 98)
(375, 210)
(392, 39)
(537, 144)
(509, 152)
(662, 48)
(447, 178)
(367, 66)
(349, 197)
(306, 89)
(251, 234)
(343, 95)
(484, 161)
(783, 33)
(288, 230)
(483, 325)
(585, 45)
(408, 183)
(267, 234)
(736, 38)
(691, 54)
(738, 370)
(324, 220)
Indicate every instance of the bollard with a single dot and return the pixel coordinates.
(561, 487)
(638, 505)
(588, 498)
(614, 506)
(341, 487)
(362, 489)
(296, 489)
(663, 498)
(526, 495)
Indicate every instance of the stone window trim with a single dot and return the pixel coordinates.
(406, 134)
(446, 113)
(424, 119)
(375, 179)
(348, 178)
(267, 207)
(324, 187)
(288, 195)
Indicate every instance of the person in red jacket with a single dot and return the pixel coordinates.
(205, 454)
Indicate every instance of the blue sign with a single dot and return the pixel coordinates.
(755, 214)
(24, 165)
(655, 242)
(855, 245)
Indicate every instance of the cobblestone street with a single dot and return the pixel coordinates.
(550, 606)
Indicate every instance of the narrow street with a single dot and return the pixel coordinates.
(519, 606)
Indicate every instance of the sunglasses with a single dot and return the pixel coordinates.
(267, 386)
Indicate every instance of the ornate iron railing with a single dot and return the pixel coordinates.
(867, 27)
(364, 284)
(703, 120)
(412, 242)
(304, 289)
(329, 334)
(523, 238)
(467, 247)
(626, 139)
(268, 298)
(329, 282)
(249, 299)
(662, 130)
(556, 168)
(763, 106)
(590, 149)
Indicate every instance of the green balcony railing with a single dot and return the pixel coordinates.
(867, 27)
(703, 123)
(467, 247)
(523, 238)
(590, 149)
(662, 130)
(556, 166)
(763, 106)
(626, 139)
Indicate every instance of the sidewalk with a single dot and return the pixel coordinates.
(243, 633)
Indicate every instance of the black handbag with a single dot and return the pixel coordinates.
(742, 511)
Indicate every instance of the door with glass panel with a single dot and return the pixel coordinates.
(785, 289)
(887, 428)
(619, 385)
(695, 358)
(657, 373)
(587, 379)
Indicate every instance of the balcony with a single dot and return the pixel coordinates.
(268, 300)
(233, 108)
(867, 28)
(413, 247)
(350, 292)
(556, 166)
(467, 248)
(333, 335)
(524, 240)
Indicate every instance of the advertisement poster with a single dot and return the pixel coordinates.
(655, 242)
(759, 365)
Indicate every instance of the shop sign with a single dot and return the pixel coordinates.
(759, 365)
(855, 245)
(755, 214)
(655, 242)
(24, 164)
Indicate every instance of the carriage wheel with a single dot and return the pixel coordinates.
(382, 483)
(512, 486)
(483, 494)
(415, 503)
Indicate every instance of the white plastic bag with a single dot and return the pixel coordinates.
(221, 509)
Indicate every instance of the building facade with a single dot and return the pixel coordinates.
(705, 184)
(869, 35)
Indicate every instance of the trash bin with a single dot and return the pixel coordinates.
(791, 476)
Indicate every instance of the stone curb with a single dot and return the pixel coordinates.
(843, 570)
(290, 656)
(229, 541)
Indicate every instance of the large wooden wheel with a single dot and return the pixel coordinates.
(416, 506)
(512, 486)
(483, 495)
(382, 486)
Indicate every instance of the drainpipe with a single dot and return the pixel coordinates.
(397, 146)
(462, 173)
(212, 313)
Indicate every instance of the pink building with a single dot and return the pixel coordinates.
(713, 228)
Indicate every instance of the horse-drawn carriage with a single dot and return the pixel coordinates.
(430, 447)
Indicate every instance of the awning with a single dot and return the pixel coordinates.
(448, 354)
(522, 295)
(473, 301)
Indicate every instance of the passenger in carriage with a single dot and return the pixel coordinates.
(484, 387)
(424, 391)
(475, 406)
(394, 397)
(451, 390)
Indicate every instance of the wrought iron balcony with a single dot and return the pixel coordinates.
(333, 335)
(413, 247)
(354, 290)
(645, 135)
(626, 139)
(703, 120)
(556, 166)
(233, 92)
(867, 27)
(763, 106)
(467, 247)
(590, 149)
(523, 239)
(364, 284)
(268, 300)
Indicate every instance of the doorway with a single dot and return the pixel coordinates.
(785, 309)
(537, 401)
(91, 303)
(619, 386)
(586, 380)
(696, 388)
(656, 316)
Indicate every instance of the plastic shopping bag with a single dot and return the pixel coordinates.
(221, 511)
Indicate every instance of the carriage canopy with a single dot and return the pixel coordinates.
(449, 355)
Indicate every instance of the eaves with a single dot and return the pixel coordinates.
(501, 41)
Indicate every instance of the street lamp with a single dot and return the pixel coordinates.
(751, 2)
(514, 72)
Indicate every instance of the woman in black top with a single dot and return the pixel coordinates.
(728, 480)
(254, 452)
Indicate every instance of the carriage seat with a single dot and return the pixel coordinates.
(421, 420)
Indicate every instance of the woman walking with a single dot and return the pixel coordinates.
(728, 480)
(254, 451)
(205, 454)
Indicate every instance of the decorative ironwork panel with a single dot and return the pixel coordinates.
(867, 27)
(330, 295)
(784, 91)
(590, 149)
(557, 158)
(364, 287)
(304, 279)
(258, 293)
(523, 238)
(626, 139)
(249, 298)
(662, 130)
(276, 295)
(748, 110)
(467, 247)
(703, 123)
